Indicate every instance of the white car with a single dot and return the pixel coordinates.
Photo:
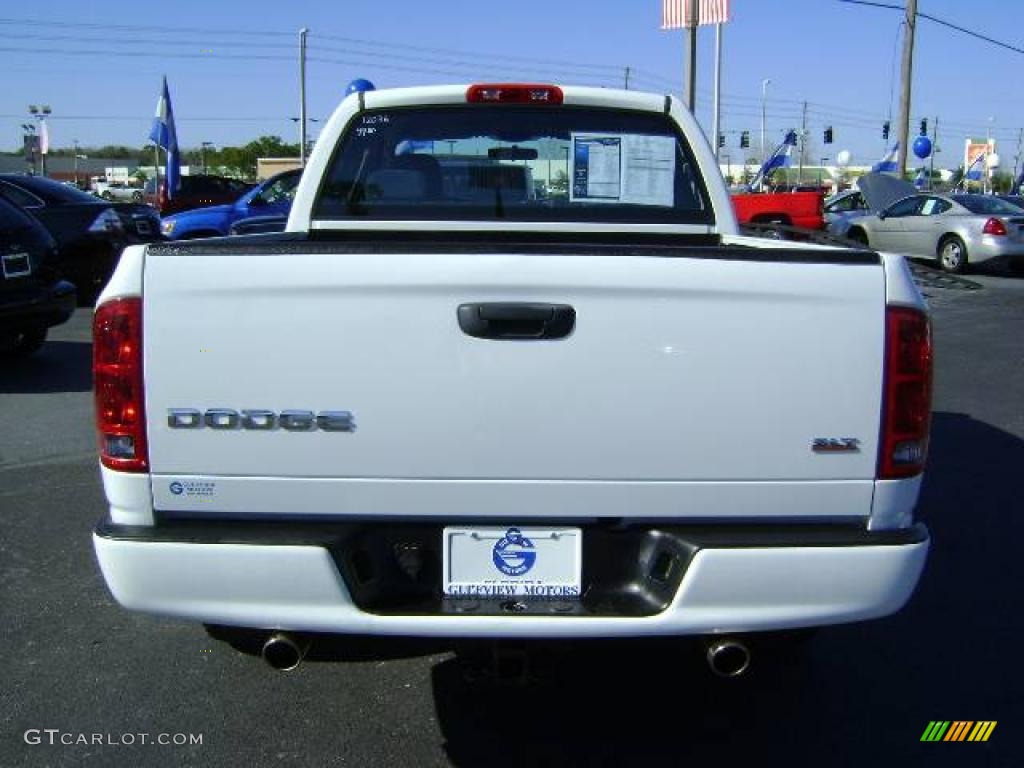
(117, 191)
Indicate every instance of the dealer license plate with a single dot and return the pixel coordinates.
(16, 264)
(528, 562)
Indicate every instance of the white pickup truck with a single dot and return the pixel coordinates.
(435, 406)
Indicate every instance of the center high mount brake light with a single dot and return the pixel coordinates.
(513, 93)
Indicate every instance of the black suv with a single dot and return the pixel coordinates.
(32, 298)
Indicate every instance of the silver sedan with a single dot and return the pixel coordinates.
(955, 229)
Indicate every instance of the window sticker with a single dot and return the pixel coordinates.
(596, 168)
(370, 124)
(623, 168)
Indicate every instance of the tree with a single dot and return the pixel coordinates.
(242, 160)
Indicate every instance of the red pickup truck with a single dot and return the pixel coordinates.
(795, 209)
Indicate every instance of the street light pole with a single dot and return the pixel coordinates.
(30, 146)
(987, 170)
(764, 98)
(202, 153)
(40, 114)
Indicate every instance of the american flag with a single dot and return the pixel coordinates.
(674, 13)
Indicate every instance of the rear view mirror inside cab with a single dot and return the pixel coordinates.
(511, 153)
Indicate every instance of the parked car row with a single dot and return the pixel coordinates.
(90, 233)
(269, 201)
(958, 230)
(59, 245)
(33, 298)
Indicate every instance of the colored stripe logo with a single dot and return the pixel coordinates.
(958, 730)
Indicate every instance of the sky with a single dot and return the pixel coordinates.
(232, 66)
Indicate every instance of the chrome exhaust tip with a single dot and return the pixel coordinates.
(728, 657)
(284, 652)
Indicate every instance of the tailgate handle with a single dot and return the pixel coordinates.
(516, 320)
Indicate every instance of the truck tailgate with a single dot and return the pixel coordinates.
(689, 387)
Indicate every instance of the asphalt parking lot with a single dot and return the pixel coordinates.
(855, 695)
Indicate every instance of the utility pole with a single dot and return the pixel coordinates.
(1016, 161)
(302, 96)
(691, 56)
(75, 143)
(626, 78)
(906, 76)
(764, 98)
(803, 143)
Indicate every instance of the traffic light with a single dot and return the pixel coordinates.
(885, 130)
(828, 135)
(924, 126)
(721, 140)
(744, 139)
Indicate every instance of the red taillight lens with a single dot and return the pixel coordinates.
(907, 398)
(117, 385)
(994, 227)
(513, 93)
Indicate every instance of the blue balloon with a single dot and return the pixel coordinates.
(922, 147)
(359, 84)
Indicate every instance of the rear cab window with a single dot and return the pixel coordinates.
(513, 162)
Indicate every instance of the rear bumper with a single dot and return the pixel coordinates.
(729, 579)
(997, 249)
(50, 305)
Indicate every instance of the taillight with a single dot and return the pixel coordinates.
(107, 221)
(994, 227)
(513, 93)
(907, 398)
(161, 196)
(117, 384)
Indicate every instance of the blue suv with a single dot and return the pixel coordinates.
(271, 198)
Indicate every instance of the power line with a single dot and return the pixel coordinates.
(943, 22)
(470, 66)
(428, 70)
(474, 58)
(147, 118)
(153, 41)
(142, 27)
(145, 53)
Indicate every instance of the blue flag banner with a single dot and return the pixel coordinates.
(921, 179)
(888, 162)
(977, 168)
(163, 134)
(780, 158)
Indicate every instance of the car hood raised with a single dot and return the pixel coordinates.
(881, 190)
